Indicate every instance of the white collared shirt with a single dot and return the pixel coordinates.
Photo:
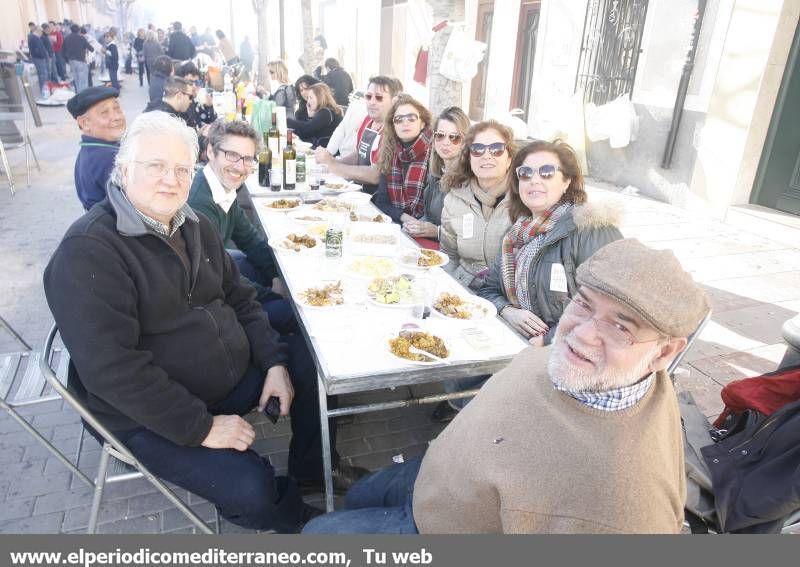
(221, 197)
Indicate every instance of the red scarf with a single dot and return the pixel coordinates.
(407, 192)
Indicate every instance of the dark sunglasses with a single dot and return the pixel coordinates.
(408, 118)
(377, 97)
(526, 173)
(455, 139)
(495, 150)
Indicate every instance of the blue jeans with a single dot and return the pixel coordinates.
(61, 66)
(80, 74)
(242, 485)
(42, 74)
(377, 504)
(279, 311)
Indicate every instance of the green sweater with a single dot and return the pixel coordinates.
(523, 457)
(236, 230)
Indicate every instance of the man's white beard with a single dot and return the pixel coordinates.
(598, 379)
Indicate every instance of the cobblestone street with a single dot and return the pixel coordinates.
(753, 279)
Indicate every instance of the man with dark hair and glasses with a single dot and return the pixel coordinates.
(171, 347)
(362, 165)
(583, 436)
(178, 96)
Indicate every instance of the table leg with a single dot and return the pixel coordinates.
(327, 465)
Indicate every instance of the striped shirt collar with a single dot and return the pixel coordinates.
(158, 226)
(613, 400)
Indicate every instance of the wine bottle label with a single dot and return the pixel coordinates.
(274, 145)
(290, 172)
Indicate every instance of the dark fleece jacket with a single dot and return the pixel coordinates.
(154, 343)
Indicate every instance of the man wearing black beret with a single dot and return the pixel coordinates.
(102, 123)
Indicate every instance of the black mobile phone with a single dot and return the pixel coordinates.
(273, 409)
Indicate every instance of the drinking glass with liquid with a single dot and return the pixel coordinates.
(275, 179)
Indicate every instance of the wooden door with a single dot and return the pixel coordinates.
(529, 12)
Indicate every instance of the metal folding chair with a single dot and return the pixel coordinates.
(117, 463)
(689, 341)
(12, 112)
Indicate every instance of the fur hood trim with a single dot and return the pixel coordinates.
(598, 214)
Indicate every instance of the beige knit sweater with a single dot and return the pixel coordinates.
(523, 457)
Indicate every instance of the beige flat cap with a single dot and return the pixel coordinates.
(650, 282)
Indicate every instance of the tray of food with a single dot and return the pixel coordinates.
(369, 217)
(422, 258)
(281, 204)
(373, 239)
(463, 307)
(332, 206)
(297, 242)
(393, 291)
(411, 345)
(306, 217)
(326, 295)
(371, 267)
(337, 185)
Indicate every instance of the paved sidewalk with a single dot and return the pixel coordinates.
(754, 283)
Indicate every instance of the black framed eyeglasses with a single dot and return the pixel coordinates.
(407, 118)
(231, 156)
(495, 150)
(546, 171)
(454, 138)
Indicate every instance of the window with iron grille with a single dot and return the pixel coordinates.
(612, 37)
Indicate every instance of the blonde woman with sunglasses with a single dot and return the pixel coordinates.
(449, 130)
(555, 230)
(475, 211)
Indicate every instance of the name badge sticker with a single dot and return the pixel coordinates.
(558, 278)
(468, 225)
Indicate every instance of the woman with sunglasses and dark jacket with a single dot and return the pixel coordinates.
(475, 212)
(403, 162)
(555, 230)
(448, 133)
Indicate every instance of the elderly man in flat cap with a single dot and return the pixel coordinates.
(102, 123)
(583, 436)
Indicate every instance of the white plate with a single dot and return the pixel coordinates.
(281, 243)
(369, 215)
(402, 304)
(402, 259)
(332, 205)
(336, 186)
(489, 310)
(360, 267)
(297, 216)
(266, 204)
(358, 199)
(418, 362)
(301, 298)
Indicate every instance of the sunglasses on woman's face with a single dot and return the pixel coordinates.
(526, 173)
(377, 97)
(495, 150)
(407, 118)
(455, 139)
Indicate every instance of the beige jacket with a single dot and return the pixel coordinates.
(469, 256)
(523, 457)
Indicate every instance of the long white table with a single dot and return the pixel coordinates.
(349, 343)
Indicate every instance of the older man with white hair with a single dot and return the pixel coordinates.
(169, 345)
(581, 437)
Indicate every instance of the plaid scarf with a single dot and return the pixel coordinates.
(521, 244)
(407, 191)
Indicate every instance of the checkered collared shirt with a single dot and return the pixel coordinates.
(613, 400)
(158, 226)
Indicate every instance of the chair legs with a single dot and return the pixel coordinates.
(99, 485)
(7, 167)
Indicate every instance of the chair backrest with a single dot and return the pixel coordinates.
(689, 341)
(71, 397)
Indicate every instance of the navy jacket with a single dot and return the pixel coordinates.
(36, 47)
(93, 168)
